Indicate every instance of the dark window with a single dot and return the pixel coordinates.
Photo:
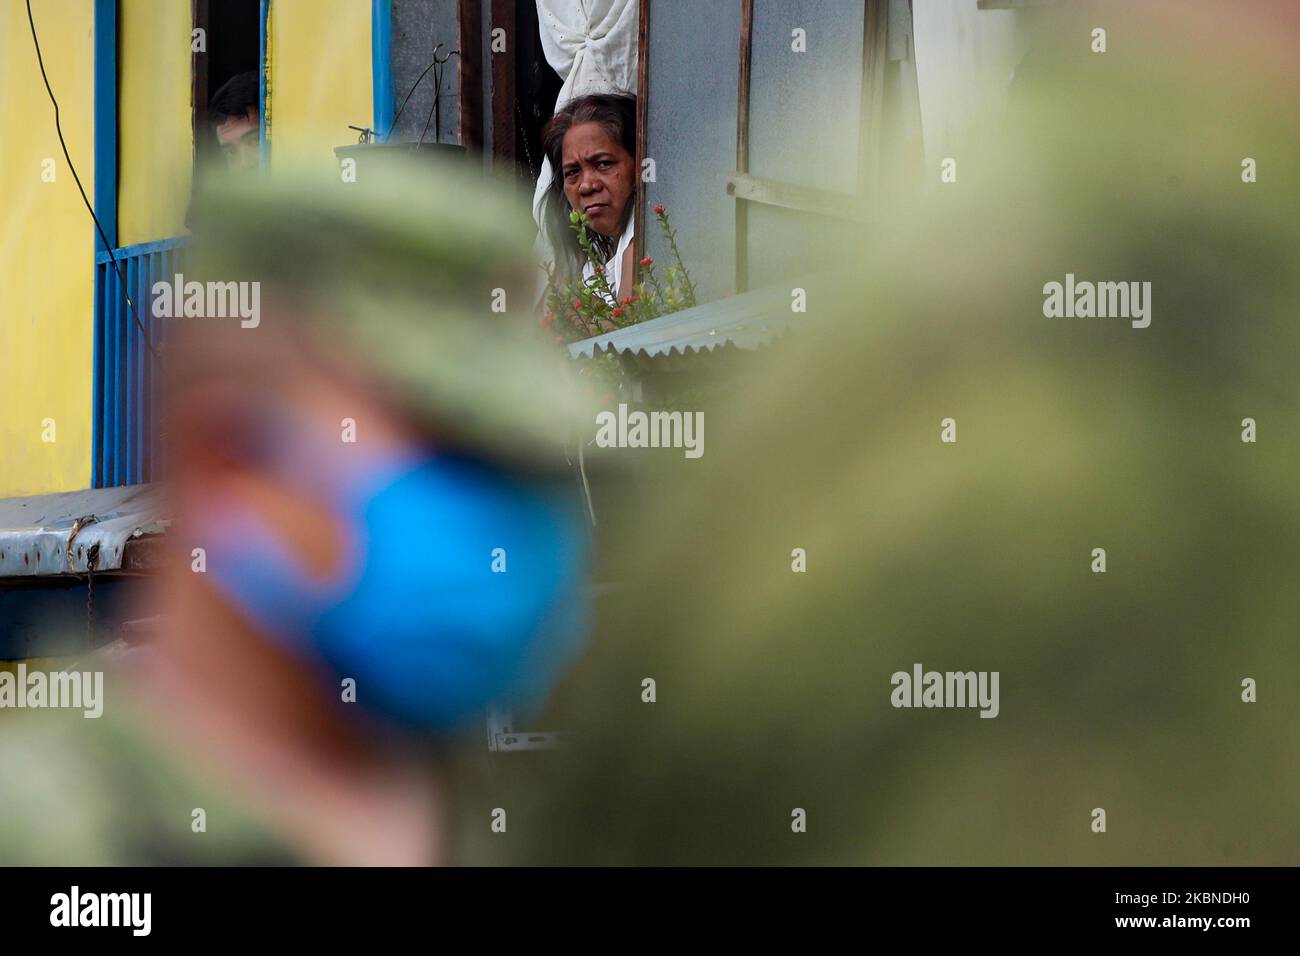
(233, 31)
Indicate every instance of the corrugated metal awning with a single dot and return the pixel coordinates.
(745, 321)
(739, 323)
(35, 531)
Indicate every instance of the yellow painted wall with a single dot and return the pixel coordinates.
(320, 83)
(155, 120)
(46, 249)
(320, 77)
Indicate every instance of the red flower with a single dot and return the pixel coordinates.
(647, 261)
(627, 300)
(546, 322)
(600, 268)
(659, 209)
(577, 303)
(617, 313)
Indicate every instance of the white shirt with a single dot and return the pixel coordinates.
(614, 268)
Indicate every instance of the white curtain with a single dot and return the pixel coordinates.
(592, 45)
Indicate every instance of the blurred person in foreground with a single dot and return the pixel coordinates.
(773, 736)
(376, 535)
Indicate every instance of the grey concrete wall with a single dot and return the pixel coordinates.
(694, 69)
(417, 26)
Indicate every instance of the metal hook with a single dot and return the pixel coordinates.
(435, 114)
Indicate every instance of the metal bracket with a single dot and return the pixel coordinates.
(503, 738)
(538, 740)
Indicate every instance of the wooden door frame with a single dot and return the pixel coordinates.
(469, 73)
(746, 188)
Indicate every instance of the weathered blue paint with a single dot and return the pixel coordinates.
(264, 66)
(105, 112)
(381, 53)
(126, 426)
(46, 617)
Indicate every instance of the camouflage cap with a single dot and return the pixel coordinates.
(418, 272)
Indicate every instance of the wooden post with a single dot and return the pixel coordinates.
(871, 119)
(503, 90)
(469, 72)
(199, 74)
(642, 99)
(742, 141)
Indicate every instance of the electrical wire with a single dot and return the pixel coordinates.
(437, 97)
(103, 237)
(433, 107)
(398, 115)
(414, 86)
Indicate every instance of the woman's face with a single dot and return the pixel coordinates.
(597, 173)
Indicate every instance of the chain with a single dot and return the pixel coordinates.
(528, 153)
(92, 558)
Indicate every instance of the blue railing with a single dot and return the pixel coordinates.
(127, 429)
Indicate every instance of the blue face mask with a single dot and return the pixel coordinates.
(461, 584)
